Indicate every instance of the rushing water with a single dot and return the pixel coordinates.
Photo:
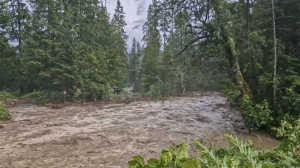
(108, 136)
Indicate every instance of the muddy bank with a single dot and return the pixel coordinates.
(110, 135)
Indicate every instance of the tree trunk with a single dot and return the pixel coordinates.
(233, 57)
(240, 81)
(234, 62)
(20, 46)
(275, 53)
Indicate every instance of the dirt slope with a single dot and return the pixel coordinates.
(109, 136)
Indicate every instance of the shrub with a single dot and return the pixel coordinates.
(4, 115)
(159, 90)
(291, 101)
(154, 91)
(171, 157)
(5, 95)
(257, 115)
(233, 96)
(291, 133)
(36, 95)
(239, 155)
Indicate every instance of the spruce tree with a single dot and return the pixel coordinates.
(151, 61)
(135, 65)
(119, 20)
(139, 54)
(132, 62)
(20, 16)
(19, 20)
(8, 62)
(119, 48)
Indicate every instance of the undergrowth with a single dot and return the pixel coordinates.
(4, 95)
(255, 115)
(4, 114)
(159, 90)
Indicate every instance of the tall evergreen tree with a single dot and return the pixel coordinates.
(119, 20)
(74, 47)
(151, 61)
(119, 48)
(133, 62)
(41, 46)
(138, 80)
(8, 62)
(20, 16)
(18, 25)
(135, 65)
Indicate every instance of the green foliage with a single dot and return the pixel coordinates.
(35, 95)
(239, 155)
(159, 90)
(291, 133)
(4, 114)
(290, 100)
(8, 60)
(135, 66)
(257, 115)
(172, 157)
(70, 46)
(4, 95)
(233, 96)
(238, 44)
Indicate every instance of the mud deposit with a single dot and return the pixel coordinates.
(110, 135)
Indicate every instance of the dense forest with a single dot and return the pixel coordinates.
(62, 45)
(248, 49)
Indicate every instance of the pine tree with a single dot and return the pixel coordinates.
(132, 62)
(42, 47)
(20, 15)
(67, 54)
(119, 20)
(139, 54)
(8, 62)
(135, 65)
(165, 21)
(151, 61)
(119, 48)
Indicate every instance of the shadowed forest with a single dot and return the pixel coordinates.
(71, 83)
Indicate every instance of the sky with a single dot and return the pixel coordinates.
(135, 16)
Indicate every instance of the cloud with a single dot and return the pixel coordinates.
(136, 27)
(140, 8)
(136, 13)
(139, 21)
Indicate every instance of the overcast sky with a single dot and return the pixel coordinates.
(136, 14)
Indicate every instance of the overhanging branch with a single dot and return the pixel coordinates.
(190, 43)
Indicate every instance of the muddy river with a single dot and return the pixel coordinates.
(109, 135)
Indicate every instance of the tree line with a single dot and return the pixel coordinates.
(62, 45)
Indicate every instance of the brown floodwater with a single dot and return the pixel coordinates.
(110, 135)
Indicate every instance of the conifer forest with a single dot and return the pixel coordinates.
(193, 84)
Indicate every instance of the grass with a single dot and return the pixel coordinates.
(4, 114)
(5, 95)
